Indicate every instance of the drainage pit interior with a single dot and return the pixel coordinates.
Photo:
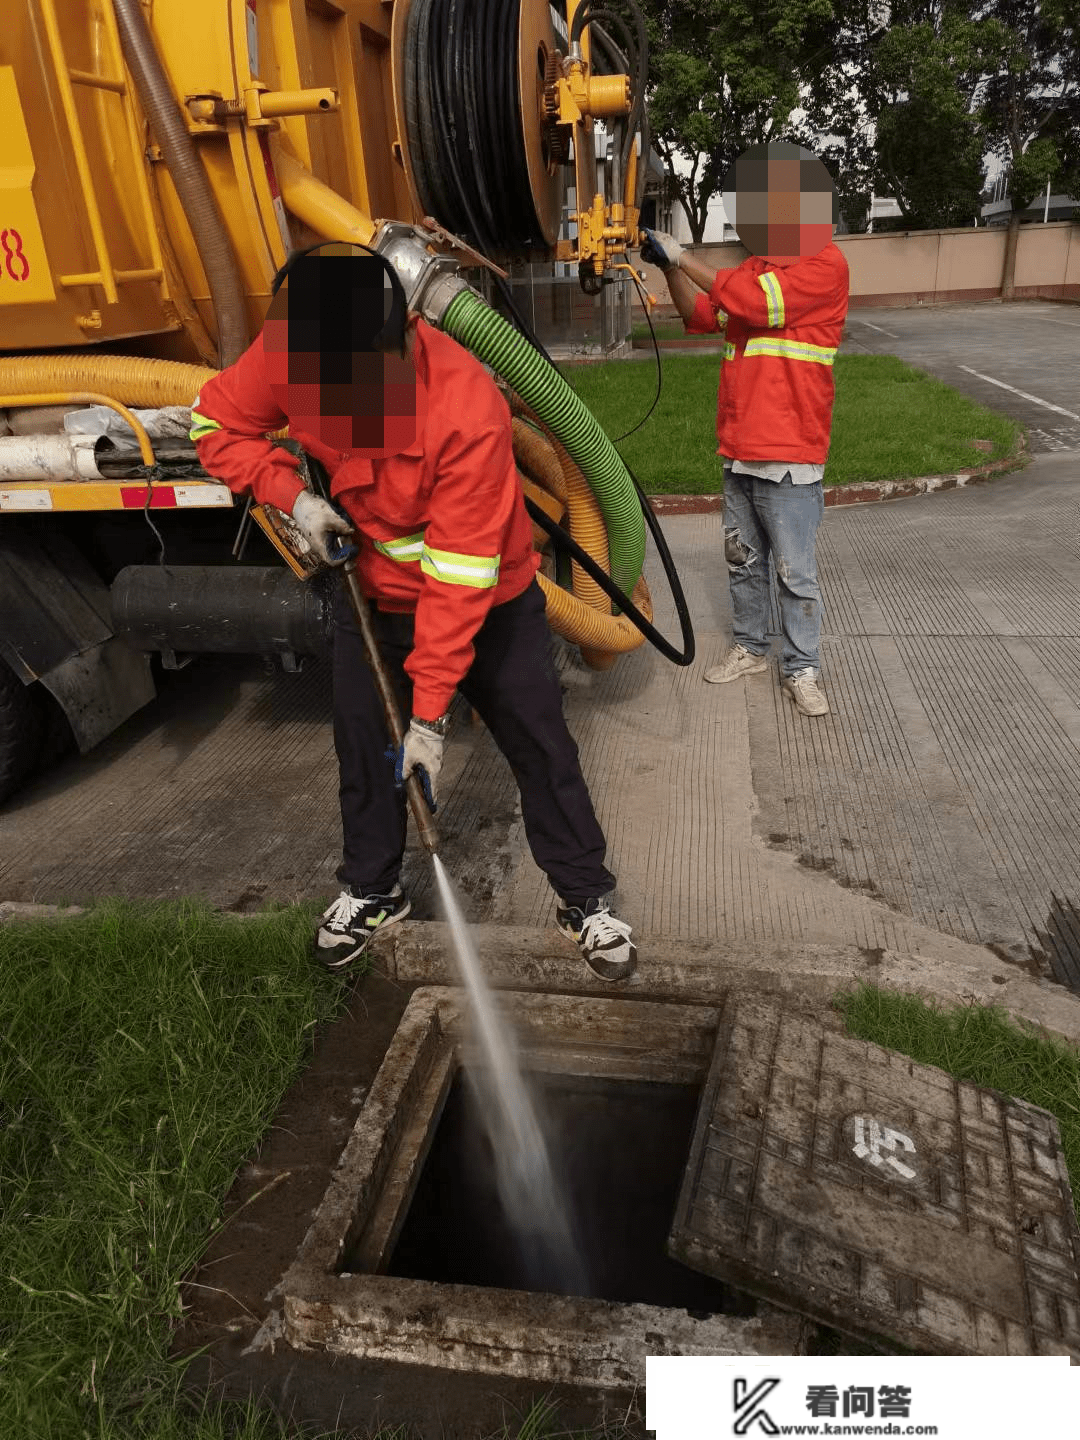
(619, 1149)
(408, 1259)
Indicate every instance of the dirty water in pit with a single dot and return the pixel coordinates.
(532, 1197)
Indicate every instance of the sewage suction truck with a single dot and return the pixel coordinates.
(161, 159)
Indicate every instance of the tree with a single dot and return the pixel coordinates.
(932, 135)
(900, 104)
(1032, 97)
(1033, 102)
(841, 101)
(725, 75)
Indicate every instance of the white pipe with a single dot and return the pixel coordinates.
(1046, 207)
(48, 457)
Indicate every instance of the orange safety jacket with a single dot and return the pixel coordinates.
(442, 526)
(783, 331)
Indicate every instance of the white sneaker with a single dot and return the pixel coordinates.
(604, 941)
(737, 661)
(805, 692)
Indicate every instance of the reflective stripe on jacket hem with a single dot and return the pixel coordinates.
(406, 548)
(790, 350)
(480, 571)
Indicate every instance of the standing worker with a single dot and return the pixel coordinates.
(786, 306)
(416, 440)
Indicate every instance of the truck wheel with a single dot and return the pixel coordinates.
(20, 731)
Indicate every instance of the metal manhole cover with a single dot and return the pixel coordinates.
(881, 1196)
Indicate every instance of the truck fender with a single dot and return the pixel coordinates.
(56, 631)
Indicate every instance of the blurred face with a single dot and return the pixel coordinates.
(781, 200)
(324, 370)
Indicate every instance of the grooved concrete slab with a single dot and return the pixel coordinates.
(878, 1195)
(932, 813)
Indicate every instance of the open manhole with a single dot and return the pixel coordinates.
(621, 1148)
(748, 1141)
(405, 1261)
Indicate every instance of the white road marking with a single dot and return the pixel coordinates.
(890, 333)
(1013, 390)
(1052, 320)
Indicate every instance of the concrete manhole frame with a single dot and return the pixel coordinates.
(543, 1338)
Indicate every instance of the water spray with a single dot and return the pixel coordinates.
(528, 1187)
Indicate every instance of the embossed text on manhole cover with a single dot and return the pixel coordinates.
(881, 1196)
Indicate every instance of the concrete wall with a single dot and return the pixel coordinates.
(925, 267)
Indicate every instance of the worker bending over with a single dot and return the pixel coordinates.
(785, 309)
(416, 440)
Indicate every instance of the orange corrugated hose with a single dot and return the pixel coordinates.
(584, 617)
(142, 384)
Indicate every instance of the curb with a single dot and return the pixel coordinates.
(698, 972)
(866, 492)
(695, 971)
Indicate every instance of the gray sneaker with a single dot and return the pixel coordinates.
(805, 692)
(737, 661)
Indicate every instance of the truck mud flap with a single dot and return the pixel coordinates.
(55, 629)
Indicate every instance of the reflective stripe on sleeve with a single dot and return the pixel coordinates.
(201, 425)
(774, 299)
(408, 547)
(790, 350)
(729, 351)
(479, 571)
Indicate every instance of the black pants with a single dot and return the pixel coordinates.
(512, 685)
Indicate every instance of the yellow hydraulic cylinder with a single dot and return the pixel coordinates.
(319, 207)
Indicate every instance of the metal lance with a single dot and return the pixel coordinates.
(425, 825)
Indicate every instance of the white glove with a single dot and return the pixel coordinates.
(422, 749)
(660, 248)
(317, 521)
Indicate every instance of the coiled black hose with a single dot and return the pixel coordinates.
(466, 145)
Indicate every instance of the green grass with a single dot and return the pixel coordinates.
(143, 1051)
(981, 1044)
(890, 421)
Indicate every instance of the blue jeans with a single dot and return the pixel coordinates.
(763, 518)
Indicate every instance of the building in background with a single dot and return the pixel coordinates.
(1044, 207)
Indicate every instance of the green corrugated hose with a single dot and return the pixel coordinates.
(492, 339)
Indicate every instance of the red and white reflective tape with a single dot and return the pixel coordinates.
(252, 38)
(105, 495)
(275, 192)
